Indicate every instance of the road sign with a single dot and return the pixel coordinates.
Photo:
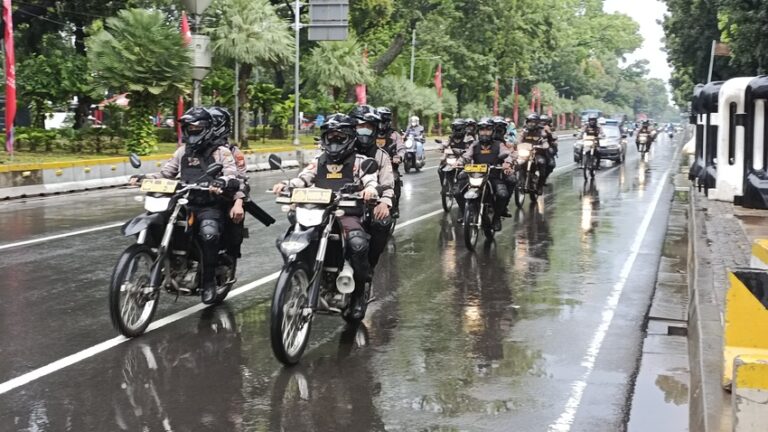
(328, 20)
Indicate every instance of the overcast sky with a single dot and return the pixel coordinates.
(646, 12)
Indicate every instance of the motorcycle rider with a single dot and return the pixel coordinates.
(337, 166)
(500, 126)
(593, 129)
(533, 134)
(235, 228)
(366, 128)
(490, 152)
(646, 128)
(190, 162)
(457, 141)
(471, 135)
(415, 129)
(395, 147)
(554, 148)
(511, 135)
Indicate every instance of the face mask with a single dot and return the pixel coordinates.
(364, 132)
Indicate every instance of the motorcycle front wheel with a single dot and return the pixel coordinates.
(520, 191)
(289, 329)
(407, 166)
(447, 197)
(130, 308)
(471, 229)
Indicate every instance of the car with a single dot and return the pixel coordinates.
(613, 146)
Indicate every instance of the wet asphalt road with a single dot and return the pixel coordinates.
(538, 331)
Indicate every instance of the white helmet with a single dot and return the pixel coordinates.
(601, 121)
(414, 121)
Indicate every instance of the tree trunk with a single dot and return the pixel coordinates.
(245, 75)
(84, 100)
(389, 56)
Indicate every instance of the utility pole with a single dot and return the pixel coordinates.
(296, 113)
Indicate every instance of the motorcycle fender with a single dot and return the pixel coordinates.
(307, 237)
(472, 194)
(141, 222)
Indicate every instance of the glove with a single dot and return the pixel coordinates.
(136, 179)
(233, 185)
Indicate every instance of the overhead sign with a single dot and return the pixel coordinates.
(328, 20)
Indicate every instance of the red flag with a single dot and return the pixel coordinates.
(186, 36)
(549, 111)
(496, 98)
(10, 76)
(186, 33)
(439, 80)
(360, 90)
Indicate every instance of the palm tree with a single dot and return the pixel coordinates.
(249, 32)
(337, 66)
(139, 52)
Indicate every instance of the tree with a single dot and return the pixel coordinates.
(249, 32)
(743, 25)
(152, 69)
(337, 66)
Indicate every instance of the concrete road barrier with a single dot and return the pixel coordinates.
(760, 254)
(750, 393)
(746, 319)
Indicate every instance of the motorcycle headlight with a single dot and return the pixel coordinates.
(309, 217)
(292, 247)
(476, 181)
(409, 144)
(524, 154)
(451, 161)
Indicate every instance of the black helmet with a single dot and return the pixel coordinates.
(499, 127)
(197, 128)
(366, 138)
(592, 120)
(471, 125)
(459, 128)
(338, 137)
(222, 123)
(385, 114)
(545, 120)
(485, 130)
(532, 121)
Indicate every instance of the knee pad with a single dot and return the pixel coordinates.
(501, 191)
(210, 230)
(358, 242)
(381, 226)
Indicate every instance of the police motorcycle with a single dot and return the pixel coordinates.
(415, 158)
(479, 208)
(643, 143)
(166, 256)
(590, 161)
(451, 172)
(530, 170)
(316, 278)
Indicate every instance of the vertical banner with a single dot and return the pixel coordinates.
(186, 36)
(439, 88)
(496, 98)
(361, 92)
(10, 76)
(533, 99)
(516, 110)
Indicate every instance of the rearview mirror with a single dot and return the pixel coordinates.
(369, 166)
(214, 170)
(439, 141)
(135, 160)
(623, 136)
(317, 140)
(275, 162)
(576, 134)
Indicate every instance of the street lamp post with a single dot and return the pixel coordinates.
(296, 113)
(201, 61)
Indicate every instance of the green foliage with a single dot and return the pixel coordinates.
(139, 52)
(141, 133)
(337, 66)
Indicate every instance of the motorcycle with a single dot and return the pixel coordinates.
(590, 160)
(643, 143)
(530, 170)
(479, 207)
(414, 153)
(315, 277)
(167, 255)
(450, 174)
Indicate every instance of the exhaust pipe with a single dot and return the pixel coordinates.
(345, 282)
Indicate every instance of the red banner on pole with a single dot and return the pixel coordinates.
(186, 36)
(10, 76)
(186, 32)
(361, 92)
(439, 80)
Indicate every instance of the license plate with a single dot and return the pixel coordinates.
(476, 169)
(159, 185)
(312, 196)
(381, 142)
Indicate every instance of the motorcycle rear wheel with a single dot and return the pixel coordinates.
(289, 329)
(130, 309)
(471, 230)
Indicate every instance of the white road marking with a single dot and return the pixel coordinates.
(566, 419)
(59, 236)
(111, 343)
